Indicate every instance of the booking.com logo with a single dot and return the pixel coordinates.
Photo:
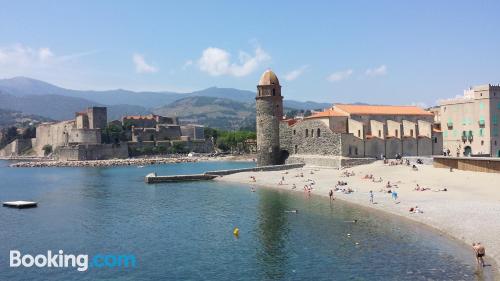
(62, 260)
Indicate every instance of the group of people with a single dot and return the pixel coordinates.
(346, 173)
(419, 188)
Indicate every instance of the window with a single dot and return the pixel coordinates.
(495, 120)
(359, 133)
(482, 142)
(411, 133)
(307, 133)
(435, 140)
(396, 133)
(312, 133)
(274, 92)
(318, 133)
(296, 149)
(379, 133)
(481, 121)
(481, 132)
(294, 132)
(356, 150)
(481, 104)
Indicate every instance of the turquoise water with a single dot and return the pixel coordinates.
(183, 231)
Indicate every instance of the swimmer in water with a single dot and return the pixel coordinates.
(353, 221)
(292, 211)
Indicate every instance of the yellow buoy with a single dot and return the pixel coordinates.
(236, 231)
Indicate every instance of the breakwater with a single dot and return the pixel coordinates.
(108, 163)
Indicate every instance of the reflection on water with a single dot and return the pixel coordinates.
(183, 231)
(272, 233)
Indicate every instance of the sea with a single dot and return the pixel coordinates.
(130, 230)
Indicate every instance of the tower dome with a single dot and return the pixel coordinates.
(268, 78)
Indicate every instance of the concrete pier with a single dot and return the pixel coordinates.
(177, 178)
(153, 178)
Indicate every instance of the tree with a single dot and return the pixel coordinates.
(113, 134)
(47, 149)
(178, 147)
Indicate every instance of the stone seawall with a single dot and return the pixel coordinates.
(336, 162)
(256, 169)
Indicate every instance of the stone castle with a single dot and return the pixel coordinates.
(341, 135)
(81, 137)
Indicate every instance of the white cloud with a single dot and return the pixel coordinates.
(141, 66)
(340, 75)
(217, 62)
(21, 57)
(378, 71)
(18, 55)
(294, 74)
(45, 54)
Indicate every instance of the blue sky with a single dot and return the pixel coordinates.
(385, 52)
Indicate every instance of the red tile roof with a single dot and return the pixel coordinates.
(327, 113)
(381, 109)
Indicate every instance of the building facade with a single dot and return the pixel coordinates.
(342, 132)
(470, 123)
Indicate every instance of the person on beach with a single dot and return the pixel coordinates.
(480, 251)
(394, 195)
(331, 195)
(294, 186)
(371, 196)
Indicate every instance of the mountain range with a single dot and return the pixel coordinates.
(207, 107)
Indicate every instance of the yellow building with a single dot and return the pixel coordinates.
(470, 123)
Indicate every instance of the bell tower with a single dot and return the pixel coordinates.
(269, 106)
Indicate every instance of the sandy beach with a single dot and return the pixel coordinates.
(469, 209)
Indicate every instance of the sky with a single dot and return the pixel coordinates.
(380, 52)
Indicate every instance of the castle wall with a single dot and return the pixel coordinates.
(16, 147)
(91, 152)
(84, 136)
(98, 117)
(169, 133)
(194, 132)
(54, 134)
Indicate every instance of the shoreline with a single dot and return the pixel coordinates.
(139, 161)
(451, 224)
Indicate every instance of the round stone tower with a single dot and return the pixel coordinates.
(269, 105)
